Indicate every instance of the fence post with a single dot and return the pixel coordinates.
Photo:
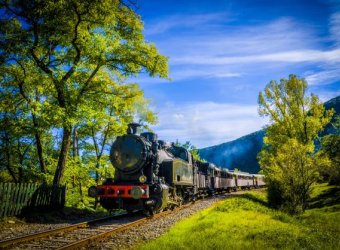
(2, 199)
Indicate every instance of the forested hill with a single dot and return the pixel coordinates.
(241, 153)
(335, 104)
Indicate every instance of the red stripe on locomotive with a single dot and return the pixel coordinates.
(120, 191)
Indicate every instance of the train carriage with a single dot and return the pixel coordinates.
(230, 181)
(243, 180)
(259, 180)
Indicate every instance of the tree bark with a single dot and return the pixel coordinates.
(40, 153)
(75, 146)
(8, 152)
(65, 145)
(37, 136)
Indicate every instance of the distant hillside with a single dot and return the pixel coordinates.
(335, 104)
(241, 153)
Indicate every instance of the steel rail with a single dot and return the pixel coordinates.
(94, 238)
(20, 239)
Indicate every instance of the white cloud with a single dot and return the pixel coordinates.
(332, 56)
(227, 51)
(201, 72)
(281, 35)
(179, 73)
(183, 22)
(334, 27)
(323, 77)
(207, 123)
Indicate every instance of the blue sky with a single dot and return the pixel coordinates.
(222, 53)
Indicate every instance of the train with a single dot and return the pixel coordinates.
(152, 175)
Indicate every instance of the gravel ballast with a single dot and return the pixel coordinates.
(153, 228)
(12, 227)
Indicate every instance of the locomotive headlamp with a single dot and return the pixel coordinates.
(142, 179)
(137, 192)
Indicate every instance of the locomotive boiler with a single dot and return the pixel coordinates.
(150, 174)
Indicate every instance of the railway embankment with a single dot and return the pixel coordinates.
(246, 222)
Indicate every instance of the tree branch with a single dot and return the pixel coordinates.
(86, 84)
(75, 46)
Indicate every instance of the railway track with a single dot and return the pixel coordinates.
(86, 233)
(81, 234)
(53, 239)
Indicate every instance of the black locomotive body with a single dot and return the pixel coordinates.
(152, 175)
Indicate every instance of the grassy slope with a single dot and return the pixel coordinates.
(244, 222)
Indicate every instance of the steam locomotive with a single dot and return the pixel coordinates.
(153, 175)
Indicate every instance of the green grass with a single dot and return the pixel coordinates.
(245, 222)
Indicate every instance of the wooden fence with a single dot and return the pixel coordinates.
(19, 198)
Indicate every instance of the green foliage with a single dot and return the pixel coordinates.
(64, 97)
(245, 222)
(330, 148)
(78, 179)
(288, 159)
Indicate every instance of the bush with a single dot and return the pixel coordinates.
(275, 199)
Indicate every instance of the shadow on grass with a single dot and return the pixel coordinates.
(327, 198)
(253, 198)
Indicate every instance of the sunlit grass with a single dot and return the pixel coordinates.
(245, 222)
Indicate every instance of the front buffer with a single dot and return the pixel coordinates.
(148, 198)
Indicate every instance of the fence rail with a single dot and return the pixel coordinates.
(18, 198)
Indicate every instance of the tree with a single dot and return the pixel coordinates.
(288, 159)
(22, 108)
(62, 58)
(330, 148)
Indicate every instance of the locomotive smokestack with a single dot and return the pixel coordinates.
(132, 128)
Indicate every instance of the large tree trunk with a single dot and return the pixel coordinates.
(8, 152)
(40, 153)
(65, 144)
(75, 146)
(37, 135)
